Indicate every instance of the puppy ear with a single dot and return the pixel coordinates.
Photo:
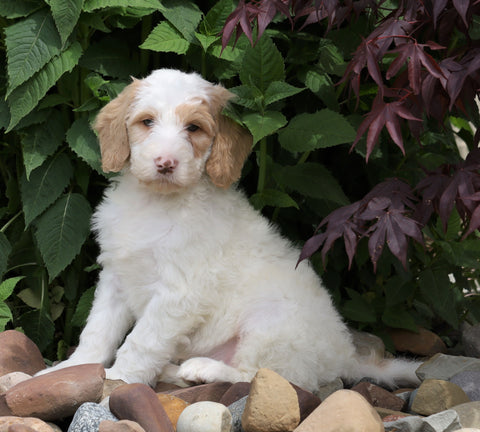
(231, 146)
(111, 127)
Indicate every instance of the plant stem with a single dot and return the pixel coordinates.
(4, 228)
(262, 165)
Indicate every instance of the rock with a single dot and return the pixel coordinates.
(469, 414)
(469, 381)
(327, 389)
(272, 404)
(161, 387)
(139, 403)
(212, 392)
(173, 406)
(88, 417)
(110, 385)
(18, 353)
(11, 379)
(57, 394)
(424, 343)
(36, 424)
(367, 344)
(120, 426)
(445, 421)
(434, 396)
(19, 427)
(471, 339)
(236, 409)
(4, 410)
(468, 430)
(236, 392)
(205, 417)
(379, 397)
(444, 367)
(343, 411)
(307, 402)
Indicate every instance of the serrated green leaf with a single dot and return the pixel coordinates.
(272, 197)
(82, 140)
(184, 15)
(322, 129)
(31, 43)
(462, 254)
(165, 38)
(5, 316)
(65, 14)
(205, 40)
(45, 185)
(83, 308)
(7, 287)
(12, 9)
(397, 291)
(39, 327)
(278, 90)
(4, 114)
(313, 180)
(263, 125)
(262, 65)
(215, 19)
(62, 230)
(41, 141)
(31, 298)
(92, 5)
(110, 57)
(399, 318)
(322, 86)
(5, 249)
(25, 97)
(358, 309)
(249, 97)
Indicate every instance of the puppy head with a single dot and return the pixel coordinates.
(168, 130)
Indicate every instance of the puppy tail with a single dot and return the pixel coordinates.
(391, 372)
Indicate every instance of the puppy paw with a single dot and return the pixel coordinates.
(201, 370)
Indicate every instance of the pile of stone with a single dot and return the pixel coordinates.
(80, 399)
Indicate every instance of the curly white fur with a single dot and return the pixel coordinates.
(207, 285)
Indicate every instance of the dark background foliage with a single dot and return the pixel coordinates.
(364, 120)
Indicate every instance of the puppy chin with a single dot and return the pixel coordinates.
(160, 183)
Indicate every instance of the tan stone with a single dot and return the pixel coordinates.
(11, 379)
(272, 404)
(119, 426)
(367, 344)
(18, 353)
(435, 395)
(343, 411)
(57, 394)
(110, 385)
(173, 406)
(33, 423)
(469, 414)
(424, 343)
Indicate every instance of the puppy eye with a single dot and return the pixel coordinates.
(192, 128)
(148, 122)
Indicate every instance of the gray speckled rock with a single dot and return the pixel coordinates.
(444, 367)
(471, 339)
(88, 418)
(445, 421)
(236, 409)
(469, 381)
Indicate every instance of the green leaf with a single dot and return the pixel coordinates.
(215, 19)
(5, 249)
(398, 318)
(322, 86)
(62, 230)
(263, 125)
(206, 41)
(262, 65)
(439, 293)
(110, 57)
(322, 129)
(165, 38)
(358, 309)
(45, 186)
(248, 97)
(462, 254)
(313, 180)
(41, 141)
(31, 44)
(65, 14)
(5, 316)
(397, 290)
(4, 114)
(83, 141)
(7, 287)
(272, 197)
(18, 8)
(278, 90)
(31, 298)
(92, 5)
(184, 15)
(39, 327)
(25, 97)
(83, 308)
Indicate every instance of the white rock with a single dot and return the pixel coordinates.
(13, 378)
(205, 417)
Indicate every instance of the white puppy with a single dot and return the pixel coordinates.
(201, 279)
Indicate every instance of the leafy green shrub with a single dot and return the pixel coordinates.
(63, 60)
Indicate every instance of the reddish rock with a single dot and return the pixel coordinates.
(19, 354)
(394, 417)
(379, 397)
(235, 392)
(57, 394)
(307, 402)
(4, 410)
(212, 392)
(162, 387)
(19, 427)
(139, 403)
(424, 343)
(119, 426)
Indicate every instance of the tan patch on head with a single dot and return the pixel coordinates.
(197, 115)
(138, 131)
(111, 127)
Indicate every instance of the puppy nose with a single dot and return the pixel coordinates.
(165, 165)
